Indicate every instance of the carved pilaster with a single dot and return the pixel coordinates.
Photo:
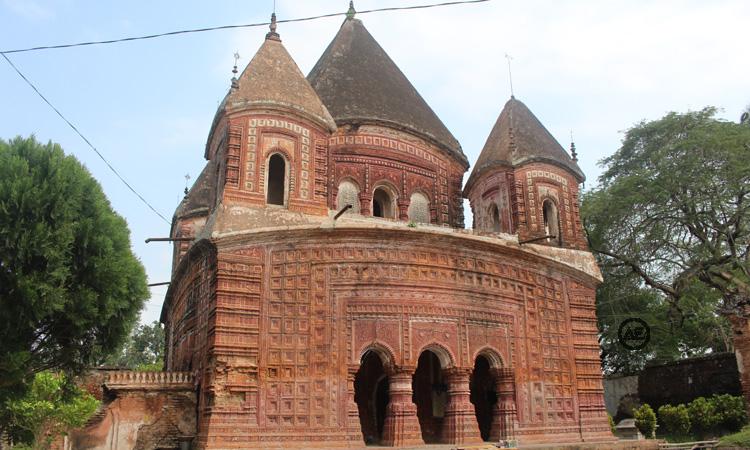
(460, 424)
(504, 414)
(401, 423)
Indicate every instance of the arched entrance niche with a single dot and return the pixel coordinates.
(430, 392)
(276, 180)
(371, 394)
(483, 387)
(384, 202)
(492, 393)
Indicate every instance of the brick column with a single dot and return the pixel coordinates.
(401, 427)
(353, 426)
(365, 203)
(741, 341)
(504, 417)
(459, 423)
(403, 209)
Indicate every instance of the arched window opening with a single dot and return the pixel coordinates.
(276, 180)
(430, 394)
(495, 217)
(483, 395)
(348, 195)
(419, 208)
(551, 221)
(382, 204)
(371, 394)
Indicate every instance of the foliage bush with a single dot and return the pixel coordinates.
(675, 419)
(730, 411)
(645, 420)
(611, 424)
(703, 415)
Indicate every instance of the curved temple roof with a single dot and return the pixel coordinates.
(519, 137)
(359, 83)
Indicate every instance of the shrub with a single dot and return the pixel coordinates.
(645, 420)
(703, 415)
(675, 419)
(611, 424)
(730, 411)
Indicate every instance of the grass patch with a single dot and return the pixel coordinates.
(739, 439)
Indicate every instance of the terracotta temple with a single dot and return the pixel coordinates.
(326, 294)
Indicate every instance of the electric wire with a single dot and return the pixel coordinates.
(229, 27)
(84, 138)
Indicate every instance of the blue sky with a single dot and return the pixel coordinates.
(592, 67)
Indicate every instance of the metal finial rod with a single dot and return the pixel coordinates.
(510, 73)
(350, 14)
(236, 58)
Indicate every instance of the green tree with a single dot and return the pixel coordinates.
(70, 286)
(672, 208)
(51, 407)
(143, 349)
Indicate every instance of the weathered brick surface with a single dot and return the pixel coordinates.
(140, 410)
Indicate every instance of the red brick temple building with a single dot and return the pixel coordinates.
(326, 294)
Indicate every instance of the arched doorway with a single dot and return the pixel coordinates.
(483, 395)
(371, 393)
(276, 180)
(382, 203)
(430, 394)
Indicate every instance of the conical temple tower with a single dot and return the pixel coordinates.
(525, 183)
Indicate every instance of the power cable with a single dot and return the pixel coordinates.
(84, 139)
(229, 27)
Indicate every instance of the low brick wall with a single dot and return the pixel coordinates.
(682, 381)
(139, 411)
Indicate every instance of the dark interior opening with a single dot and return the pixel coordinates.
(371, 394)
(276, 180)
(430, 394)
(483, 395)
(495, 219)
(382, 205)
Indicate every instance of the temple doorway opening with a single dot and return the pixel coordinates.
(276, 180)
(483, 395)
(371, 393)
(430, 394)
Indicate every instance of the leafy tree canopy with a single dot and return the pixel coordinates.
(52, 406)
(70, 286)
(143, 349)
(670, 222)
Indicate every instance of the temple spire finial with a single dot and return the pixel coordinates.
(350, 14)
(235, 83)
(573, 153)
(273, 35)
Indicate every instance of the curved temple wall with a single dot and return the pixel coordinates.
(278, 348)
